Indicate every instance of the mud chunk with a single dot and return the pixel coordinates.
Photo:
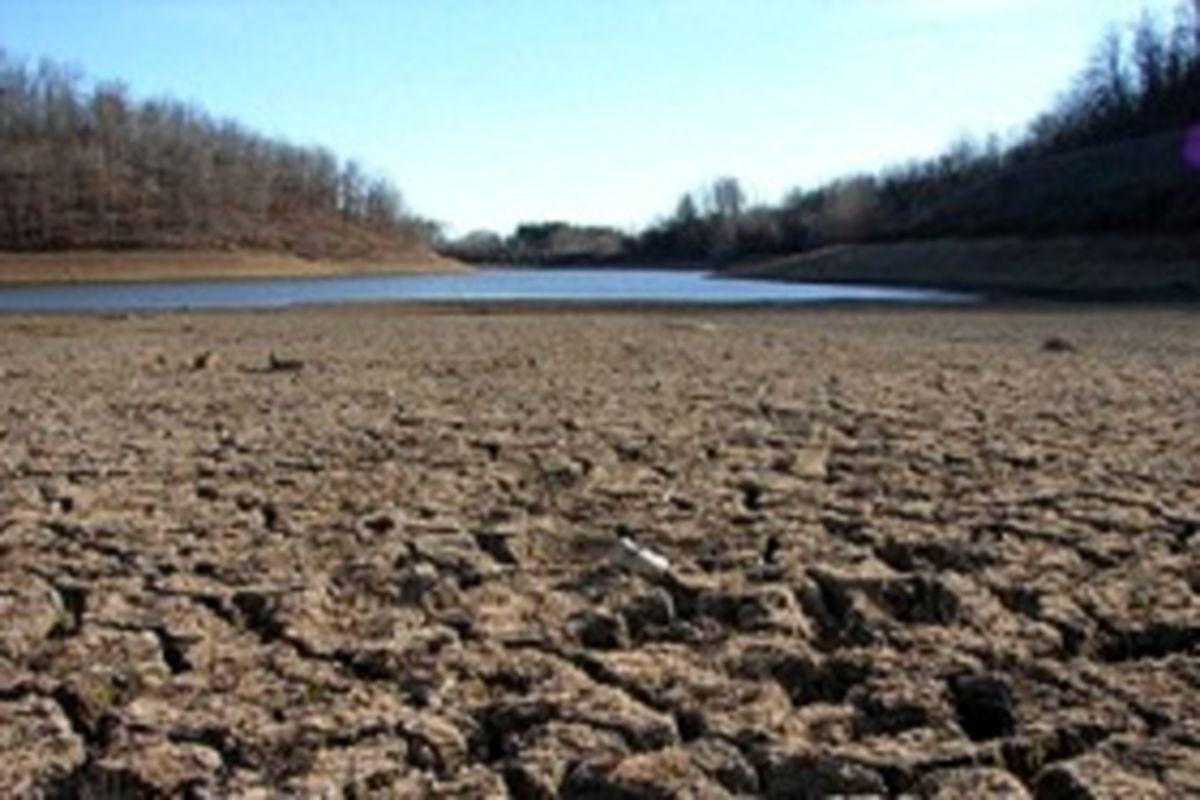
(38, 745)
(414, 582)
(946, 554)
(757, 609)
(270, 515)
(375, 525)
(598, 630)
(455, 556)
(650, 614)
(985, 706)
(31, 611)
(810, 463)
(770, 552)
(883, 714)
(259, 612)
(725, 764)
(1058, 344)
(971, 782)
(920, 600)
(1093, 778)
(1157, 639)
(805, 776)
(435, 744)
(202, 361)
(831, 602)
(651, 776)
(498, 546)
(807, 678)
(278, 363)
(155, 769)
(540, 757)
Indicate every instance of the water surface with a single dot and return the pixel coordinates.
(486, 285)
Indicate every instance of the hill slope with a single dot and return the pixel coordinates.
(1144, 185)
(1118, 221)
(86, 168)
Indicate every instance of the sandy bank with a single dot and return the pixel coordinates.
(1115, 268)
(155, 265)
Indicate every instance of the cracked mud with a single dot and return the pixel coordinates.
(369, 553)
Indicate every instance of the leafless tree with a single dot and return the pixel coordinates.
(91, 167)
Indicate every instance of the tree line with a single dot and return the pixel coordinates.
(1141, 81)
(89, 167)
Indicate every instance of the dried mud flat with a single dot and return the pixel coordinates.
(926, 553)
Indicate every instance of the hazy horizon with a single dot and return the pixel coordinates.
(487, 115)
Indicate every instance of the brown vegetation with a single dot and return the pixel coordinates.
(90, 168)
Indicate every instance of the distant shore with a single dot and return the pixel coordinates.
(163, 265)
(1084, 268)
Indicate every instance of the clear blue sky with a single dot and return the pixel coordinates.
(487, 112)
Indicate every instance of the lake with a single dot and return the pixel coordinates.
(486, 285)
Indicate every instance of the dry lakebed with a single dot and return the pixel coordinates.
(390, 551)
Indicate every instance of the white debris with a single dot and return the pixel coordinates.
(642, 560)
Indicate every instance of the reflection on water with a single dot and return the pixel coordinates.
(576, 285)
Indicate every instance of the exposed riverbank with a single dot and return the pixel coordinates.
(169, 265)
(950, 553)
(1081, 269)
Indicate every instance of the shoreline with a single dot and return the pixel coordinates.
(1115, 270)
(142, 266)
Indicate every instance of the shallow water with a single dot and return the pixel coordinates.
(487, 285)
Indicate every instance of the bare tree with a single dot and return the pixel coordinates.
(726, 198)
(93, 168)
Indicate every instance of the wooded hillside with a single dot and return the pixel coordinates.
(86, 166)
(1119, 153)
